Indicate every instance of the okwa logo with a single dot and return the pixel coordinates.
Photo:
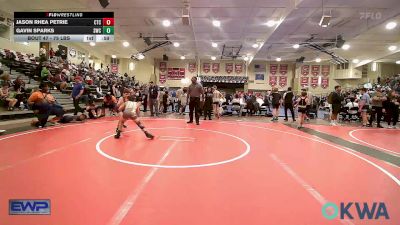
(355, 209)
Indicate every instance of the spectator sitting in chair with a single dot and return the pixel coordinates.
(5, 97)
(45, 73)
(44, 105)
(109, 102)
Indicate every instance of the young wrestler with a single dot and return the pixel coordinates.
(130, 110)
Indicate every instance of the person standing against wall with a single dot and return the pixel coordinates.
(77, 92)
(288, 103)
(195, 91)
(153, 98)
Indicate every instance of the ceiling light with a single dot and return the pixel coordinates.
(296, 46)
(391, 25)
(356, 61)
(176, 44)
(113, 56)
(278, 59)
(166, 23)
(214, 44)
(216, 23)
(270, 23)
(92, 43)
(345, 47)
(246, 58)
(318, 60)
(392, 47)
(398, 62)
(140, 56)
(125, 44)
(183, 57)
(213, 58)
(255, 45)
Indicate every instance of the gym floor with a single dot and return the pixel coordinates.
(221, 172)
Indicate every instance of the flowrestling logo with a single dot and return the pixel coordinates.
(29, 207)
(349, 210)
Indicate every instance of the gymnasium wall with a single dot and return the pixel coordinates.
(31, 48)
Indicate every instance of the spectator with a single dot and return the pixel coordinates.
(45, 73)
(336, 99)
(6, 98)
(153, 98)
(377, 104)
(77, 92)
(208, 104)
(165, 99)
(364, 105)
(288, 97)
(276, 102)
(44, 105)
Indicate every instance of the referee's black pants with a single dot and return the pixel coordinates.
(194, 105)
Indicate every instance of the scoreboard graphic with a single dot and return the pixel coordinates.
(64, 26)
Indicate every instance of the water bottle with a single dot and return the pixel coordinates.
(21, 106)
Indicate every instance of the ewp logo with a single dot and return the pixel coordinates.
(376, 211)
(29, 207)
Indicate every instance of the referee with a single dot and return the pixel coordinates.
(195, 90)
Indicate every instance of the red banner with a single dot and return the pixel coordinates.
(325, 82)
(282, 81)
(314, 82)
(305, 70)
(304, 81)
(162, 78)
(283, 68)
(192, 67)
(325, 70)
(239, 67)
(315, 70)
(273, 68)
(273, 80)
(176, 73)
(215, 67)
(206, 67)
(163, 67)
(229, 67)
(114, 68)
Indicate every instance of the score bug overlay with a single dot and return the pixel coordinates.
(64, 26)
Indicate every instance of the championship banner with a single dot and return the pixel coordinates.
(163, 67)
(229, 67)
(273, 68)
(325, 70)
(273, 80)
(239, 67)
(325, 82)
(305, 70)
(114, 68)
(282, 81)
(304, 81)
(215, 67)
(192, 67)
(176, 73)
(315, 70)
(314, 82)
(283, 68)
(206, 67)
(162, 78)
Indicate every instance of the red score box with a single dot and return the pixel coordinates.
(108, 21)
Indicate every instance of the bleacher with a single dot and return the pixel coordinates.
(25, 67)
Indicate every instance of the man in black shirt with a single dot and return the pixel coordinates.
(153, 98)
(288, 103)
(195, 90)
(336, 100)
